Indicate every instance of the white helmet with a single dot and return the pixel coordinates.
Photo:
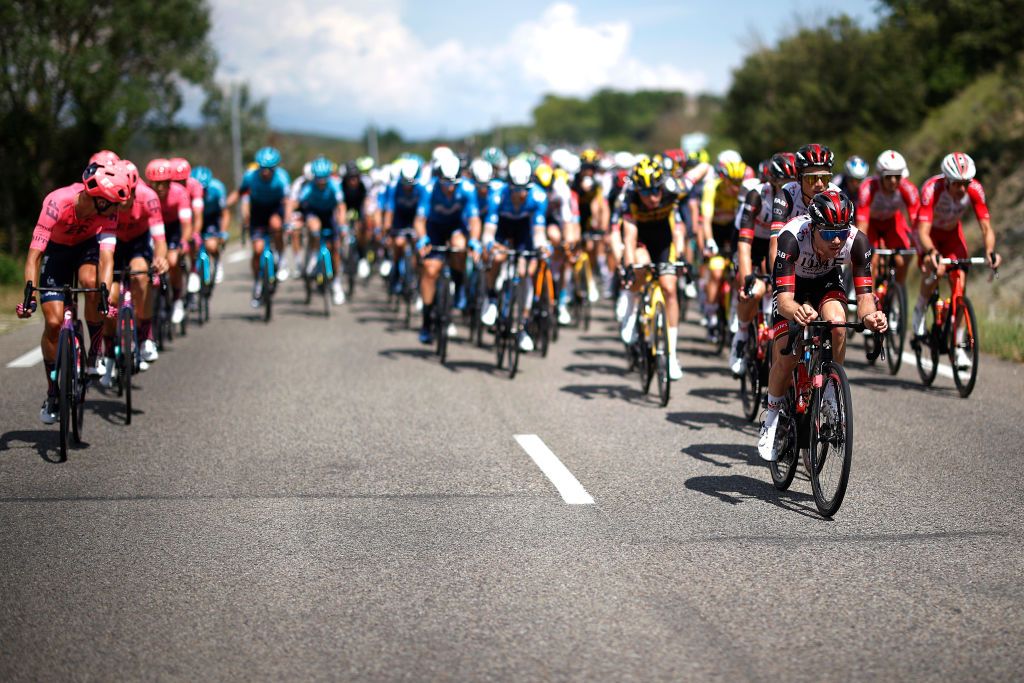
(307, 170)
(440, 153)
(891, 162)
(408, 170)
(729, 156)
(571, 164)
(624, 160)
(561, 157)
(481, 170)
(958, 166)
(448, 168)
(519, 173)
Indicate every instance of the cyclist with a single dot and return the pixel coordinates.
(809, 285)
(753, 223)
(294, 225)
(401, 202)
(594, 210)
(355, 189)
(482, 174)
(216, 219)
(516, 219)
(719, 204)
(176, 207)
(651, 233)
(320, 204)
(266, 186)
(181, 173)
(563, 228)
(141, 241)
(884, 199)
(76, 230)
(447, 211)
(814, 172)
(855, 170)
(944, 199)
(497, 159)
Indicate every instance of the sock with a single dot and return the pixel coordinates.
(673, 337)
(95, 336)
(427, 310)
(743, 332)
(145, 329)
(51, 386)
(108, 346)
(775, 402)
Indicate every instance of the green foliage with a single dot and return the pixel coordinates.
(81, 75)
(11, 270)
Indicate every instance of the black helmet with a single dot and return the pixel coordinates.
(814, 155)
(831, 210)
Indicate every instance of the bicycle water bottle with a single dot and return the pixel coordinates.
(940, 312)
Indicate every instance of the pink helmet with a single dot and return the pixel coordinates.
(158, 170)
(180, 169)
(132, 171)
(104, 157)
(108, 182)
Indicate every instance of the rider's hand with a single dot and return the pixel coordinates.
(423, 245)
(876, 322)
(161, 265)
(628, 277)
(711, 247)
(994, 260)
(111, 310)
(186, 246)
(26, 312)
(805, 314)
(475, 246)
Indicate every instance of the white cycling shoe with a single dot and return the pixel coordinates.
(525, 342)
(564, 317)
(675, 372)
(766, 447)
(178, 313)
(149, 352)
(490, 314)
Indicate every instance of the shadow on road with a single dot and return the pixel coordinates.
(588, 369)
(589, 353)
(45, 442)
(409, 352)
(110, 410)
(702, 420)
(731, 451)
(620, 392)
(721, 396)
(734, 489)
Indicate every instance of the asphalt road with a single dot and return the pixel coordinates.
(321, 499)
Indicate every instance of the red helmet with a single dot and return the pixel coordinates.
(107, 182)
(783, 166)
(676, 155)
(813, 155)
(132, 171)
(104, 157)
(831, 210)
(158, 170)
(180, 169)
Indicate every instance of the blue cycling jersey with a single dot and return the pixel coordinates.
(265, 192)
(214, 197)
(448, 212)
(320, 200)
(531, 211)
(403, 200)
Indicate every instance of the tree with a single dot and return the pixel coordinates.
(81, 75)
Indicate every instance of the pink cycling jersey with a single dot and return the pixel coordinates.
(143, 217)
(176, 206)
(943, 211)
(58, 222)
(196, 192)
(874, 203)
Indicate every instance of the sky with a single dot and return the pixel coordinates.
(430, 68)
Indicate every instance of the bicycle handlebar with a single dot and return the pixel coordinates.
(894, 252)
(748, 282)
(964, 263)
(67, 290)
(879, 350)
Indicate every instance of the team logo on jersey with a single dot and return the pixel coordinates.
(782, 255)
(51, 210)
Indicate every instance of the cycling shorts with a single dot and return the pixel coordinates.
(892, 231)
(328, 229)
(950, 243)
(61, 263)
(439, 235)
(724, 235)
(172, 231)
(260, 215)
(140, 247)
(814, 291)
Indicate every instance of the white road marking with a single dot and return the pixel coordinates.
(237, 256)
(27, 360)
(568, 486)
(944, 370)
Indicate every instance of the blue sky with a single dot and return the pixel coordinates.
(332, 66)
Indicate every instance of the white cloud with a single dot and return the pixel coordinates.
(335, 64)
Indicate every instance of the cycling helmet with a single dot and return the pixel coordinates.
(441, 152)
(133, 173)
(764, 170)
(180, 169)
(729, 156)
(958, 167)
(365, 163)
(481, 171)
(624, 160)
(320, 168)
(158, 170)
(203, 174)
(647, 175)
(783, 166)
(731, 170)
(857, 168)
(267, 157)
(495, 157)
(676, 155)
(448, 168)
(110, 182)
(589, 159)
(307, 170)
(104, 157)
(831, 210)
(351, 169)
(813, 155)
(519, 173)
(409, 170)
(545, 175)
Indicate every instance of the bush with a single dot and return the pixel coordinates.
(11, 270)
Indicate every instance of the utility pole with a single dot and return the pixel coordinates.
(371, 142)
(236, 147)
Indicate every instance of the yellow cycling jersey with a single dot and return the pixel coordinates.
(720, 202)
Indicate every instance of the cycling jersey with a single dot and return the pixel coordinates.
(314, 199)
(800, 271)
(655, 225)
(58, 223)
(403, 200)
(446, 214)
(176, 209)
(938, 207)
(753, 222)
(718, 202)
(789, 204)
(355, 193)
(562, 208)
(195, 193)
(265, 192)
(874, 203)
(143, 218)
(515, 223)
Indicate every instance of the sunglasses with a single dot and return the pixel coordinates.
(962, 184)
(649, 191)
(829, 235)
(815, 177)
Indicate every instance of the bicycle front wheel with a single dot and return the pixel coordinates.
(896, 337)
(750, 380)
(65, 388)
(268, 284)
(515, 323)
(80, 381)
(784, 469)
(831, 442)
(125, 361)
(442, 313)
(661, 358)
(964, 337)
(926, 349)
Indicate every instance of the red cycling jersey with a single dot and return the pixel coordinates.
(176, 206)
(144, 216)
(938, 208)
(58, 222)
(874, 203)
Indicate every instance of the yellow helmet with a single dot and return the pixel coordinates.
(562, 175)
(589, 158)
(647, 176)
(544, 175)
(731, 170)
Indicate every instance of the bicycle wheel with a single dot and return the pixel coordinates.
(325, 288)
(268, 283)
(480, 303)
(442, 314)
(125, 361)
(644, 360)
(542, 318)
(926, 349)
(661, 353)
(831, 441)
(895, 338)
(351, 266)
(750, 380)
(80, 382)
(159, 318)
(721, 330)
(784, 468)
(515, 325)
(965, 377)
(65, 388)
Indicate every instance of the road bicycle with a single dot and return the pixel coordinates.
(268, 279)
(583, 284)
(818, 414)
(126, 340)
(70, 373)
(891, 296)
(757, 351)
(444, 301)
(721, 334)
(321, 276)
(951, 326)
(648, 353)
(542, 323)
(510, 323)
(200, 284)
(162, 306)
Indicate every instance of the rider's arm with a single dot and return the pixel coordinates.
(863, 284)
(629, 233)
(707, 209)
(745, 232)
(781, 208)
(864, 199)
(599, 210)
(977, 195)
(108, 243)
(784, 275)
(32, 263)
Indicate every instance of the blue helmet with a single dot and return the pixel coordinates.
(856, 168)
(203, 174)
(321, 167)
(268, 157)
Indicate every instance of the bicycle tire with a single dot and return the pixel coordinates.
(80, 381)
(542, 317)
(965, 385)
(643, 353)
(928, 344)
(158, 315)
(325, 285)
(351, 266)
(442, 315)
(661, 357)
(721, 330)
(267, 291)
(895, 338)
(750, 380)
(515, 324)
(784, 469)
(126, 361)
(829, 431)
(65, 389)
